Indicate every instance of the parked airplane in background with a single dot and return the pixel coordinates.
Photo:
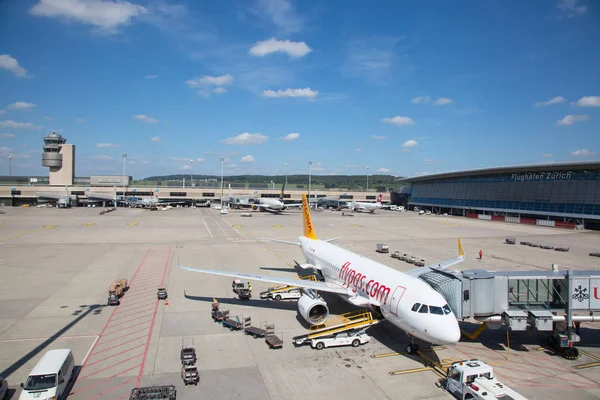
(274, 205)
(400, 297)
(371, 207)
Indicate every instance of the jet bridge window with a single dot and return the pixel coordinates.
(424, 309)
(416, 307)
(436, 310)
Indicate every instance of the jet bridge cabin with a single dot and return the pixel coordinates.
(519, 299)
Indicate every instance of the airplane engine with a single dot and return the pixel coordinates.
(254, 207)
(313, 310)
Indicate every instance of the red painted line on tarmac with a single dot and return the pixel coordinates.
(46, 338)
(145, 302)
(137, 299)
(139, 380)
(110, 348)
(148, 276)
(135, 319)
(113, 388)
(127, 334)
(114, 355)
(111, 366)
(133, 313)
(103, 380)
(139, 267)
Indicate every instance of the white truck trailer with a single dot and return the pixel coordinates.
(474, 379)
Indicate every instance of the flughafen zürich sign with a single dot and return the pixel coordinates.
(541, 176)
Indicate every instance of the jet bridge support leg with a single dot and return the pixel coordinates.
(474, 335)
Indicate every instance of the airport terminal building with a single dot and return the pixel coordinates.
(565, 194)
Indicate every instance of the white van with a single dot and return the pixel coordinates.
(50, 377)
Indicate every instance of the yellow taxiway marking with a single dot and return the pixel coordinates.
(1, 223)
(448, 224)
(277, 226)
(49, 226)
(411, 371)
(6, 238)
(383, 355)
(356, 226)
(590, 365)
(593, 357)
(89, 224)
(133, 223)
(238, 226)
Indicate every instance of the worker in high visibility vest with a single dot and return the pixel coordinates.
(249, 286)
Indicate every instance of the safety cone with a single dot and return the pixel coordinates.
(167, 302)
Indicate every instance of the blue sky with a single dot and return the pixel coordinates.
(400, 87)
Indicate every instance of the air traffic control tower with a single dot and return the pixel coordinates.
(60, 158)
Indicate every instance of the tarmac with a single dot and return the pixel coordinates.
(57, 264)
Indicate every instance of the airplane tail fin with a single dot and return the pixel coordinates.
(461, 252)
(379, 198)
(282, 192)
(308, 226)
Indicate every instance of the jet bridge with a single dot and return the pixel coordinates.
(523, 300)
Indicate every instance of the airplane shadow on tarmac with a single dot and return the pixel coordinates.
(81, 313)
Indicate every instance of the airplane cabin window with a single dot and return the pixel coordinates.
(447, 309)
(424, 309)
(415, 307)
(436, 310)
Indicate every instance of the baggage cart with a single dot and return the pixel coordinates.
(188, 351)
(167, 392)
(510, 240)
(233, 323)
(216, 314)
(396, 254)
(190, 375)
(383, 248)
(253, 330)
(273, 340)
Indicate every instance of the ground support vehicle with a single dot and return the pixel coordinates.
(273, 340)
(242, 289)
(383, 248)
(116, 290)
(113, 300)
(253, 330)
(403, 257)
(168, 392)
(188, 352)
(162, 293)
(560, 343)
(396, 254)
(474, 379)
(420, 262)
(216, 314)
(353, 339)
(282, 293)
(190, 375)
(510, 240)
(411, 259)
(233, 323)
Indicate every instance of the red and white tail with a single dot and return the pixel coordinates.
(380, 198)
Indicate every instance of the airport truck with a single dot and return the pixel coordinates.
(474, 379)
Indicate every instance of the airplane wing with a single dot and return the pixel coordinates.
(440, 266)
(293, 205)
(320, 286)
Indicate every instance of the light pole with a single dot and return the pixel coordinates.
(367, 179)
(10, 165)
(309, 176)
(191, 173)
(222, 159)
(124, 155)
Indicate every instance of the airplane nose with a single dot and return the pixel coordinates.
(448, 335)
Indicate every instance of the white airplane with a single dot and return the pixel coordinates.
(371, 207)
(400, 297)
(274, 205)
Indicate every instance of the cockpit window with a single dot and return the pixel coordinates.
(447, 309)
(416, 307)
(424, 309)
(436, 310)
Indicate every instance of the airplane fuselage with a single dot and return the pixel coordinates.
(396, 293)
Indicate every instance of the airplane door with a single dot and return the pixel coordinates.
(396, 297)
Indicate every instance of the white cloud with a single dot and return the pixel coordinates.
(554, 100)
(442, 101)
(306, 92)
(571, 119)
(281, 13)
(582, 153)
(107, 145)
(5, 149)
(145, 118)
(47, 118)
(399, 121)
(245, 138)
(145, 162)
(421, 99)
(571, 8)
(589, 101)
(383, 171)
(378, 137)
(151, 76)
(179, 159)
(21, 105)
(206, 82)
(131, 162)
(247, 158)
(80, 120)
(291, 136)
(19, 125)
(155, 139)
(104, 14)
(101, 158)
(7, 135)
(292, 49)
(317, 167)
(11, 64)
(2, 112)
(410, 143)
(186, 167)
(548, 155)
(199, 159)
(358, 150)
(376, 59)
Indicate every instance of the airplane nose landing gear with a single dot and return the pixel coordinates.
(413, 346)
